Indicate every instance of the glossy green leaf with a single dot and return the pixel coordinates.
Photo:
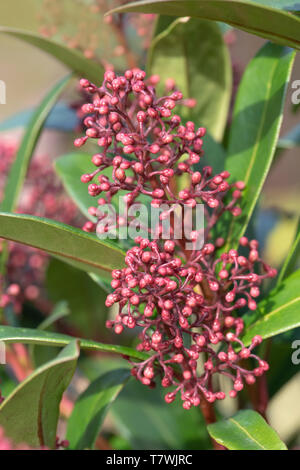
(91, 408)
(69, 168)
(19, 169)
(30, 414)
(85, 299)
(11, 334)
(291, 258)
(255, 128)
(277, 313)
(202, 72)
(8, 382)
(73, 59)
(247, 430)
(271, 23)
(82, 250)
(145, 420)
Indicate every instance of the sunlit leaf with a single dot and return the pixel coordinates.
(247, 430)
(251, 16)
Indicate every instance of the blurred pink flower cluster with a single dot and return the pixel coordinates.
(98, 37)
(43, 196)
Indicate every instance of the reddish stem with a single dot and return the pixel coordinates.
(209, 416)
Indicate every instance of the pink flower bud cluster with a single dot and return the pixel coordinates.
(184, 304)
(145, 146)
(7, 156)
(179, 325)
(43, 196)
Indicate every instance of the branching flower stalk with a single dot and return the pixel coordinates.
(184, 304)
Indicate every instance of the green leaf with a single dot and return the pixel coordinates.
(148, 422)
(30, 414)
(277, 313)
(17, 174)
(282, 368)
(271, 23)
(82, 250)
(255, 128)
(18, 171)
(70, 57)
(39, 355)
(103, 283)
(91, 408)
(60, 310)
(85, 299)
(247, 430)
(11, 334)
(292, 257)
(202, 72)
(69, 168)
(215, 155)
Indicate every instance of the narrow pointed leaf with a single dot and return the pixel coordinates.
(18, 171)
(277, 313)
(30, 414)
(247, 430)
(209, 85)
(71, 58)
(11, 334)
(91, 408)
(255, 128)
(89, 312)
(81, 249)
(254, 17)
